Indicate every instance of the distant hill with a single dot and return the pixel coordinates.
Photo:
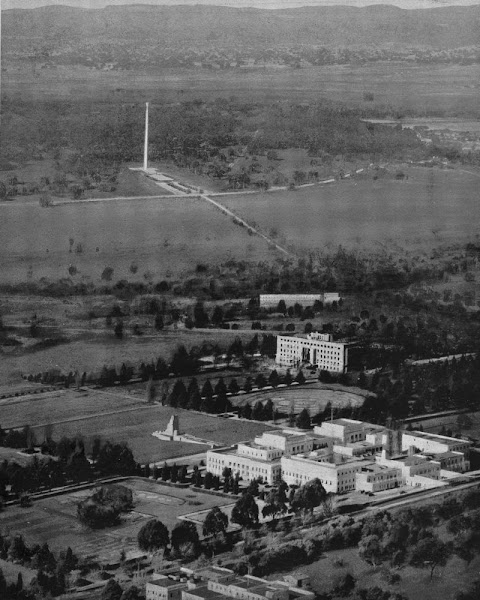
(135, 31)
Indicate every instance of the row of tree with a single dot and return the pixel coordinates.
(66, 463)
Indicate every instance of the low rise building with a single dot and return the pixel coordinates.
(272, 300)
(411, 466)
(377, 478)
(436, 444)
(217, 583)
(163, 588)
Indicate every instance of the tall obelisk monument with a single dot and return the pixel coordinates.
(145, 151)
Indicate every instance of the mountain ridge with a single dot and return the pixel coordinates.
(139, 28)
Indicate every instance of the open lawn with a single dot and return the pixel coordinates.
(433, 206)
(112, 415)
(314, 397)
(163, 237)
(91, 355)
(53, 520)
(11, 570)
(440, 88)
(63, 404)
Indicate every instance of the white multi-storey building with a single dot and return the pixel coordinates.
(272, 300)
(345, 455)
(261, 458)
(317, 349)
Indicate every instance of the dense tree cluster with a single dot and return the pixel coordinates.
(196, 135)
(104, 507)
(51, 569)
(413, 536)
(65, 462)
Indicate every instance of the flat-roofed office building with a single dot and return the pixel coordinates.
(316, 349)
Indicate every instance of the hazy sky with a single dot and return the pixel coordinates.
(257, 3)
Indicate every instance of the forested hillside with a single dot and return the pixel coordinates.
(128, 36)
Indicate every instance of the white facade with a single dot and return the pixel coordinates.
(373, 478)
(272, 300)
(163, 588)
(336, 478)
(287, 441)
(431, 442)
(347, 431)
(314, 348)
(248, 466)
(411, 466)
(345, 455)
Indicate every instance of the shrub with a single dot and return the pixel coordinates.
(107, 274)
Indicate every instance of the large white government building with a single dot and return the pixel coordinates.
(346, 455)
(317, 349)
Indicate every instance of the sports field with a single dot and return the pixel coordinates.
(53, 520)
(433, 206)
(314, 397)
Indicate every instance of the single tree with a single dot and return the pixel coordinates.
(309, 496)
(216, 522)
(153, 536)
(245, 511)
(303, 420)
(370, 549)
(430, 553)
(185, 538)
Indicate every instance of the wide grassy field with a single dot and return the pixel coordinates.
(92, 353)
(115, 415)
(428, 88)
(63, 404)
(431, 207)
(54, 520)
(163, 237)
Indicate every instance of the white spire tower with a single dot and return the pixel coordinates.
(145, 151)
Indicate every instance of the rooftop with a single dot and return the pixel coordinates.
(447, 454)
(233, 451)
(284, 434)
(437, 437)
(165, 582)
(205, 593)
(376, 468)
(304, 336)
